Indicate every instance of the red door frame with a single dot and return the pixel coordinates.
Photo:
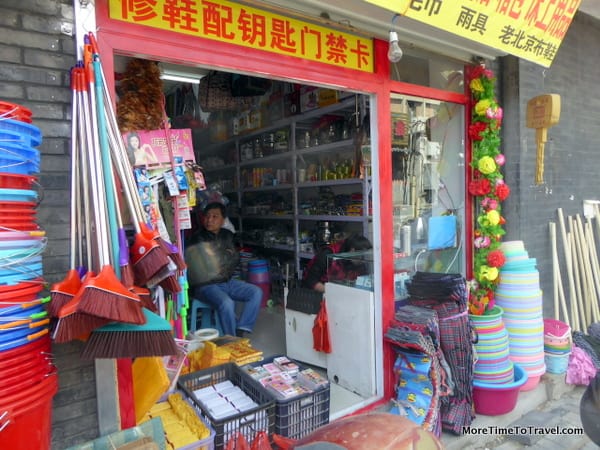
(119, 38)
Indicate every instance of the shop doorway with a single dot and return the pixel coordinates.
(287, 160)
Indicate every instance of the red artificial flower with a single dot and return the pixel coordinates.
(502, 191)
(480, 186)
(476, 129)
(477, 71)
(496, 258)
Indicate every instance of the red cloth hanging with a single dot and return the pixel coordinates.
(321, 337)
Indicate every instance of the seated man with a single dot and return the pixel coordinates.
(212, 257)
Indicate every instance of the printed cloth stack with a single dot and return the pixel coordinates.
(417, 372)
(447, 295)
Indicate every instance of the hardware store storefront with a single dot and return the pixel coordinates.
(416, 116)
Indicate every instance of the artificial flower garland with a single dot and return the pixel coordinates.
(489, 189)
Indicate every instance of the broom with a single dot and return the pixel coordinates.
(63, 291)
(104, 295)
(73, 325)
(119, 340)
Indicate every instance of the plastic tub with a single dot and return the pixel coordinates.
(28, 420)
(16, 181)
(497, 399)
(556, 364)
(24, 128)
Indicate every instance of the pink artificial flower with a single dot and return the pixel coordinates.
(500, 159)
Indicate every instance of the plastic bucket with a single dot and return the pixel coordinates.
(258, 271)
(16, 181)
(27, 421)
(17, 206)
(25, 352)
(18, 195)
(556, 364)
(24, 128)
(14, 111)
(497, 399)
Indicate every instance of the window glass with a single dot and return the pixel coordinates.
(428, 185)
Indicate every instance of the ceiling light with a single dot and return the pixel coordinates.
(179, 78)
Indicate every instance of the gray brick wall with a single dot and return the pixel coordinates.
(571, 153)
(35, 59)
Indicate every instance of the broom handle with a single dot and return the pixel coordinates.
(119, 151)
(97, 176)
(91, 172)
(84, 191)
(74, 171)
(107, 170)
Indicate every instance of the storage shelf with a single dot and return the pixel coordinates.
(290, 161)
(331, 218)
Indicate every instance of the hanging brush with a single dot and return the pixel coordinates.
(103, 295)
(63, 291)
(119, 340)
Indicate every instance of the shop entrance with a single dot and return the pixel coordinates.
(289, 161)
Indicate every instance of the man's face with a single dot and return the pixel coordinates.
(213, 220)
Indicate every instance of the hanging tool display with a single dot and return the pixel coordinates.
(106, 298)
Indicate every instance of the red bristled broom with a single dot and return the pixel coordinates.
(104, 295)
(63, 291)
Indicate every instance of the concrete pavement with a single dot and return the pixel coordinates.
(552, 407)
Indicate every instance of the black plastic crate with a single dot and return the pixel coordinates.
(261, 418)
(298, 416)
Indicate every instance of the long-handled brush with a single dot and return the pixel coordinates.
(63, 291)
(104, 295)
(72, 324)
(119, 340)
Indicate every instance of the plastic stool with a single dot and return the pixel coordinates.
(209, 318)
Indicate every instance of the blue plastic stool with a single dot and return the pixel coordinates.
(209, 318)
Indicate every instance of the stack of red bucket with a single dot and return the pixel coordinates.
(28, 380)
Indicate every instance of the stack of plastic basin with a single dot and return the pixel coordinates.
(557, 345)
(28, 379)
(518, 293)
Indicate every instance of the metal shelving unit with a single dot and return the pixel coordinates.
(293, 191)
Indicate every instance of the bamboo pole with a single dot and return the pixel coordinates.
(568, 260)
(576, 307)
(584, 261)
(559, 294)
(595, 267)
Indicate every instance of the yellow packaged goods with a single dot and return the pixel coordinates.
(188, 416)
(150, 382)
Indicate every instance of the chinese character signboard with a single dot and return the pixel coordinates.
(251, 27)
(529, 29)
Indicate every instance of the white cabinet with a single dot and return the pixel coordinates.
(299, 338)
(351, 363)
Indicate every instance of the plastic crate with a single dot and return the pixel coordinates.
(298, 416)
(261, 418)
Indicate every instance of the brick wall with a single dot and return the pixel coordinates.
(571, 153)
(35, 58)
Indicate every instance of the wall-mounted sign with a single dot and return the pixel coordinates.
(529, 29)
(251, 27)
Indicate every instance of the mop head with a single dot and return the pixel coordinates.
(120, 340)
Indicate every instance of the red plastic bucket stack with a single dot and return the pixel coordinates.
(28, 379)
